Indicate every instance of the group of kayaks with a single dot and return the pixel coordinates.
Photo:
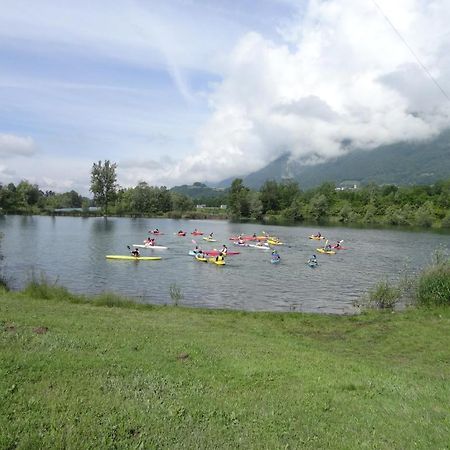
(263, 242)
(327, 249)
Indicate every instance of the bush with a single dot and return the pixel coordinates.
(383, 295)
(433, 287)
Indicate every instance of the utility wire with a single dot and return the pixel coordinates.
(411, 50)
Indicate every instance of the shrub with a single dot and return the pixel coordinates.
(433, 287)
(383, 295)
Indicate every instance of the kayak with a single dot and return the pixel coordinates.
(316, 238)
(275, 261)
(262, 247)
(135, 258)
(197, 233)
(209, 239)
(221, 262)
(328, 252)
(339, 248)
(155, 232)
(312, 264)
(271, 242)
(181, 234)
(241, 245)
(216, 253)
(201, 258)
(244, 238)
(151, 247)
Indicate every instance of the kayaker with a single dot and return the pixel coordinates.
(327, 247)
(338, 244)
(135, 252)
(211, 235)
(312, 260)
(275, 255)
(318, 235)
(152, 242)
(219, 257)
(224, 249)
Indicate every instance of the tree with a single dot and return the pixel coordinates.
(238, 203)
(103, 183)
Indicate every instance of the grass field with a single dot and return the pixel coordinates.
(78, 375)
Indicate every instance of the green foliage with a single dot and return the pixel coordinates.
(384, 295)
(433, 286)
(238, 201)
(319, 206)
(104, 183)
(41, 288)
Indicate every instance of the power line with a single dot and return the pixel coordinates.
(411, 50)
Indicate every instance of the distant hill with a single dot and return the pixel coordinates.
(418, 162)
(199, 191)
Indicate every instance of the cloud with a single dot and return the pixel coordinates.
(340, 79)
(12, 146)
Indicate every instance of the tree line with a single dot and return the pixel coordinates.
(285, 202)
(275, 202)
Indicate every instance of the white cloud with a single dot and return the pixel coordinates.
(12, 146)
(341, 75)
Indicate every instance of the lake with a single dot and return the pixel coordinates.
(71, 252)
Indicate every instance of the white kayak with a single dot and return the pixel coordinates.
(262, 247)
(151, 247)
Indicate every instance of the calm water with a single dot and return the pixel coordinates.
(71, 251)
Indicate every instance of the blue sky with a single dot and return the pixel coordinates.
(178, 91)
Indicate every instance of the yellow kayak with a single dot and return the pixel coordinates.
(328, 252)
(135, 258)
(316, 238)
(272, 242)
(220, 262)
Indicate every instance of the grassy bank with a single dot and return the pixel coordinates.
(91, 376)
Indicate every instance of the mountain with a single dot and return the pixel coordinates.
(199, 191)
(415, 162)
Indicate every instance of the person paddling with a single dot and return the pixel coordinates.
(135, 252)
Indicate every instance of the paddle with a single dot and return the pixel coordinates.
(131, 251)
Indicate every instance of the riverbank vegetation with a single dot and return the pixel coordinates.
(108, 373)
(276, 203)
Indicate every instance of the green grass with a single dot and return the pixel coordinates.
(74, 374)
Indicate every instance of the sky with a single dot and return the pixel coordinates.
(178, 91)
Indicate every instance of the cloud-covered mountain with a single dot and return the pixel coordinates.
(415, 162)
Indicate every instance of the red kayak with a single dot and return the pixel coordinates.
(245, 238)
(182, 234)
(216, 253)
(339, 248)
(197, 233)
